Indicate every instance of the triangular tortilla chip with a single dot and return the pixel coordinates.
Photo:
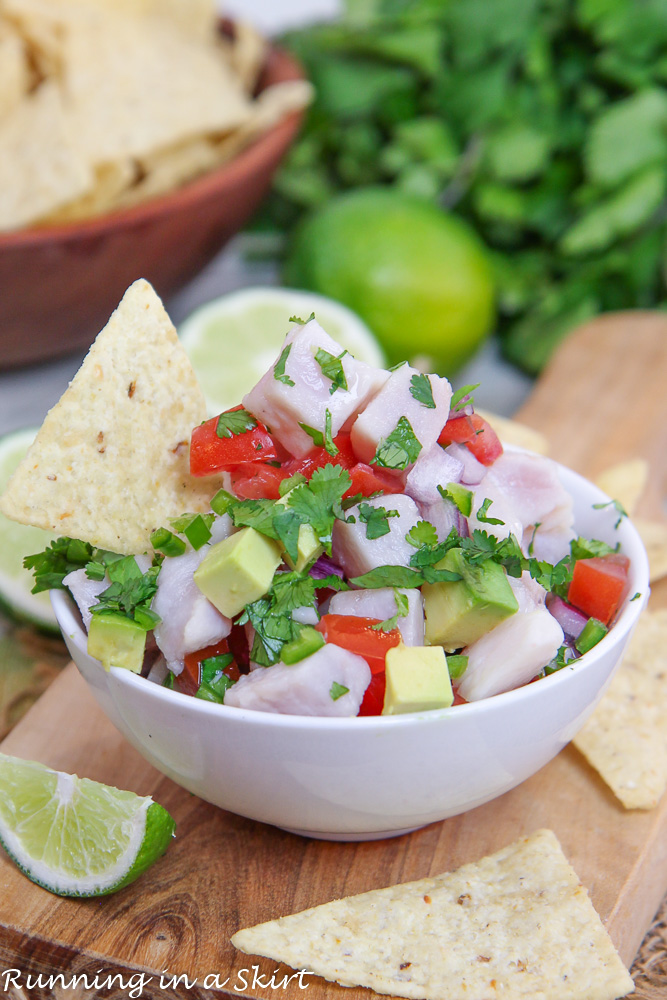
(625, 739)
(515, 924)
(110, 462)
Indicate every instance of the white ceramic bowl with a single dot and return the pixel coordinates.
(362, 779)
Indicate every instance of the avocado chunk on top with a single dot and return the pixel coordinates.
(238, 570)
(117, 642)
(417, 680)
(459, 612)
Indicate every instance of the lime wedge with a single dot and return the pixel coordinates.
(17, 541)
(77, 837)
(235, 339)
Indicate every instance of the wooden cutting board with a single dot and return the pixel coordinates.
(603, 399)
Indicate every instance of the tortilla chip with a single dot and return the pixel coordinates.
(40, 167)
(171, 87)
(14, 69)
(197, 17)
(625, 482)
(110, 462)
(271, 105)
(515, 924)
(247, 54)
(111, 181)
(169, 168)
(513, 432)
(625, 739)
(654, 536)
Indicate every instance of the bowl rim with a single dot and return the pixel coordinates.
(226, 175)
(70, 624)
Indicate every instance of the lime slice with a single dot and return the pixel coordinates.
(77, 837)
(17, 541)
(235, 339)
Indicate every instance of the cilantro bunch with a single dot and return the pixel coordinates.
(542, 122)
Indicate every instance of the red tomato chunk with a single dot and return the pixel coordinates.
(476, 434)
(189, 679)
(359, 636)
(599, 585)
(210, 453)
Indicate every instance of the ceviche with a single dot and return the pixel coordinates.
(369, 548)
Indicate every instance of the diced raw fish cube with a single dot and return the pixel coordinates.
(511, 654)
(313, 686)
(501, 509)
(443, 515)
(283, 406)
(381, 603)
(85, 592)
(529, 593)
(358, 554)
(189, 620)
(395, 400)
(434, 467)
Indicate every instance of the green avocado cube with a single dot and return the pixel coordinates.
(309, 547)
(417, 680)
(238, 570)
(458, 612)
(117, 641)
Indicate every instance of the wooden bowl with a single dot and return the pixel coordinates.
(59, 284)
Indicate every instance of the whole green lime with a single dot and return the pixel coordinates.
(418, 276)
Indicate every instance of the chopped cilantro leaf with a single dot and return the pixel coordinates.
(337, 691)
(423, 533)
(586, 548)
(402, 576)
(318, 501)
(279, 367)
(482, 513)
(322, 439)
(402, 608)
(531, 544)
(618, 507)
(462, 397)
(286, 526)
(332, 368)
(635, 596)
(399, 449)
(302, 322)
(234, 422)
(459, 496)
(130, 592)
(289, 483)
(62, 556)
(376, 520)
(422, 391)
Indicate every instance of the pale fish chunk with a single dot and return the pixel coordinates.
(358, 554)
(395, 400)
(310, 687)
(381, 603)
(189, 621)
(511, 654)
(473, 471)
(434, 467)
(283, 406)
(532, 486)
(85, 592)
(529, 594)
(443, 515)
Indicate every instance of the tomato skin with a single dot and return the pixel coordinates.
(317, 458)
(358, 636)
(457, 430)
(485, 445)
(189, 679)
(599, 585)
(257, 481)
(210, 454)
(367, 480)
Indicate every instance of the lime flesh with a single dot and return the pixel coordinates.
(235, 339)
(74, 836)
(17, 541)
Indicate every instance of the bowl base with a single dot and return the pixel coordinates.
(372, 835)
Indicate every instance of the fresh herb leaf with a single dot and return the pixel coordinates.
(422, 390)
(288, 484)
(423, 533)
(402, 609)
(618, 507)
(531, 544)
(337, 691)
(286, 527)
(130, 592)
(402, 576)
(399, 449)
(279, 367)
(332, 368)
(322, 439)
(564, 655)
(376, 520)
(586, 548)
(302, 322)
(462, 397)
(62, 556)
(234, 422)
(482, 513)
(635, 596)
(318, 502)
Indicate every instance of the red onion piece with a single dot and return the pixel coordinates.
(570, 620)
(325, 566)
(473, 471)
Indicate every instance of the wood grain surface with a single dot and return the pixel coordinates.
(603, 399)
